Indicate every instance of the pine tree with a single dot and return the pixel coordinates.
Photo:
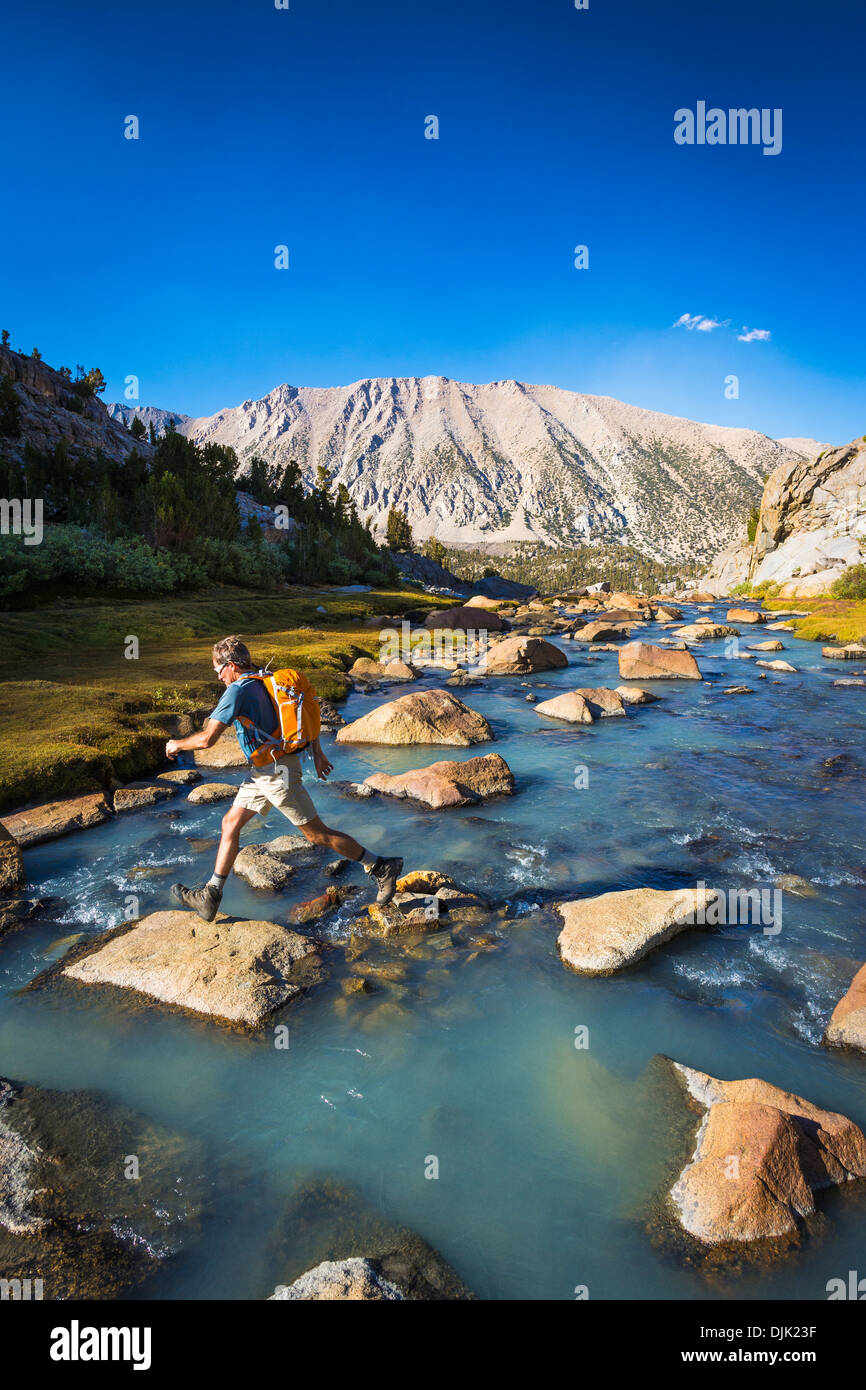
(398, 532)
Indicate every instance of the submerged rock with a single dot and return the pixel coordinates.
(449, 783)
(778, 666)
(14, 911)
(847, 1026)
(329, 1243)
(70, 1212)
(315, 908)
(643, 661)
(233, 971)
(355, 1280)
(761, 1154)
(55, 818)
(426, 900)
(607, 933)
(517, 656)
(425, 716)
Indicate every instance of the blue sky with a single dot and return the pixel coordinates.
(411, 257)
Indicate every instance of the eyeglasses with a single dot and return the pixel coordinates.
(219, 670)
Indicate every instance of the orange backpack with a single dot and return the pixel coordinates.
(297, 709)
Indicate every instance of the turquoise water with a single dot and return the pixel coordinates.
(550, 1158)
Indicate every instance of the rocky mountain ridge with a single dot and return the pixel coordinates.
(51, 409)
(811, 527)
(509, 461)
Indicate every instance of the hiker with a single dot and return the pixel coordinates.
(276, 716)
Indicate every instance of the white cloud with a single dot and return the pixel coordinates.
(699, 322)
(754, 335)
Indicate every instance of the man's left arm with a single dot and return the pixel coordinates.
(321, 762)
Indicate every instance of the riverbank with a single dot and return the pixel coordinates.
(77, 712)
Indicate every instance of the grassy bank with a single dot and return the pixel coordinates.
(76, 712)
(830, 619)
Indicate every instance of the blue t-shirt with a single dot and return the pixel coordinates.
(251, 699)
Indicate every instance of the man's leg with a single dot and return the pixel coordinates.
(233, 822)
(206, 900)
(384, 871)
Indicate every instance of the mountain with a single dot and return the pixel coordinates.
(509, 461)
(811, 527)
(149, 415)
(51, 408)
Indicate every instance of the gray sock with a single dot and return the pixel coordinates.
(367, 860)
(216, 881)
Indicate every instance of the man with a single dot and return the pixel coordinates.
(247, 704)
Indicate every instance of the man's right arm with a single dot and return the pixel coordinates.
(207, 736)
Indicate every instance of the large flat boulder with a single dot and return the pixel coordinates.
(482, 601)
(605, 934)
(424, 716)
(211, 791)
(365, 669)
(745, 615)
(11, 864)
(471, 619)
(633, 695)
(231, 971)
(519, 656)
(761, 1154)
(603, 703)
(644, 662)
(449, 783)
(602, 631)
(57, 818)
(570, 706)
(847, 1026)
(226, 752)
(138, 796)
(261, 869)
(705, 632)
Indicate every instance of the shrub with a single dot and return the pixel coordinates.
(852, 584)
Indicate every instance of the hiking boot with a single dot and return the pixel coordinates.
(386, 873)
(205, 900)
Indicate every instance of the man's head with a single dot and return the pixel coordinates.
(231, 659)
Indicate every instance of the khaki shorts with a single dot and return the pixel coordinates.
(283, 787)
